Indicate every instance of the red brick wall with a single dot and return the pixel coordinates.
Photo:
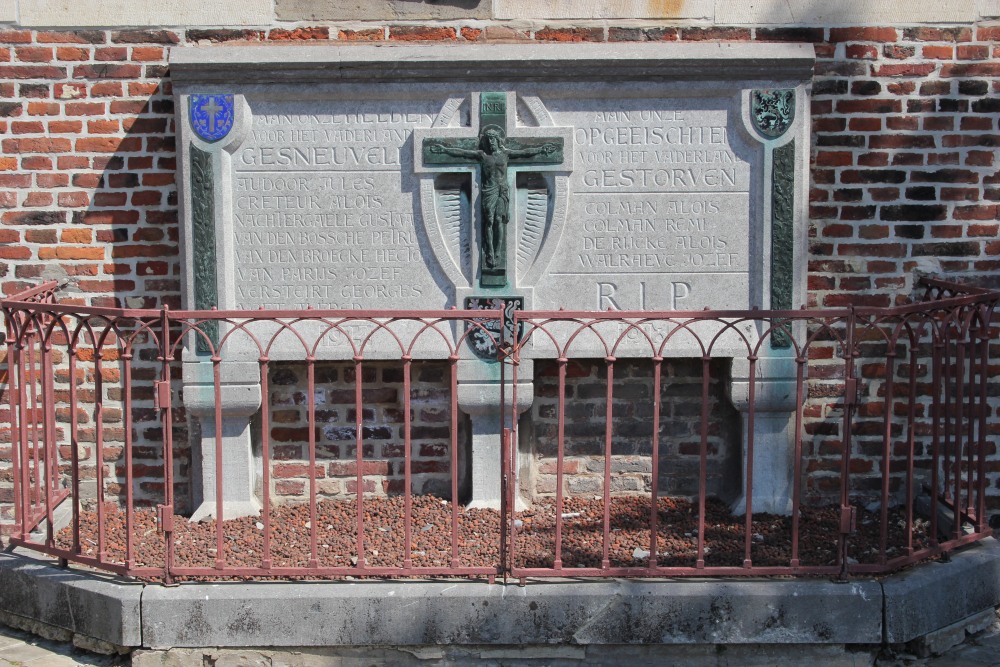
(904, 173)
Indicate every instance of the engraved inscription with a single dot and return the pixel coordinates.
(322, 216)
(660, 204)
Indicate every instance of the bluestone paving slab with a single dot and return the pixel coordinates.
(566, 612)
(915, 604)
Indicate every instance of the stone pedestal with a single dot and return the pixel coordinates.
(234, 409)
(481, 401)
(773, 431)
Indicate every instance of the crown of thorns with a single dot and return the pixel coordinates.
(493, 130)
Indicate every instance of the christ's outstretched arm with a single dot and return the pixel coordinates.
(548, 148)
(456, 152)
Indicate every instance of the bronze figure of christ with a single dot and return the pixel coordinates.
(495, 154)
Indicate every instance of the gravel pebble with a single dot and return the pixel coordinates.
(477, 543)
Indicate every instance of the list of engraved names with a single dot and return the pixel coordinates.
(659, 191)
(320, 215)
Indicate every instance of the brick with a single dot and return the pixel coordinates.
(900, 141)
(15, 252)
(916, 69)
(861, 51)
(145, 37)
(898, 51)
(77, 236)
(945, 176)
(85, 108)
(626, 35)
(224, 35)
(874, 106)
(421, 33)
(107, 71)
(43, 109)
(15, 37)
(973, 52)
(866, 88)
(938, 51)
(65, 126)
(106, 89)
(73, 199)
(986, 105)
(860, 34)
(980, 158)
(901, 87)
(111, 53)
(963, 69)
(873, 176)
(109, 145)
(913, 212)
(37, 145)
(70, 37)
(32, 72)
(103, 126)
(984, 212)
(35, 90)
(33, 54)
(714, 34)
(27, 127)
(38, 199)
(365, 35)
(146, 198)
(946, 249)
(865, 124)
(924, 34)
(66, 252)
(507, 33)
(840, 68)
(147, 53)
(973, 87)
(41, 236)
(829, 87)
(299, 34)
(36, 163)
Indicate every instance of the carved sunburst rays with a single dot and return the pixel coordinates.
(533, 217)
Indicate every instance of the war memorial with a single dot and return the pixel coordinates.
(461, 333)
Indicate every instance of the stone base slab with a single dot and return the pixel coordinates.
(511, 656)
(584, 622)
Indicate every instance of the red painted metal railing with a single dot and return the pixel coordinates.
(363, 443)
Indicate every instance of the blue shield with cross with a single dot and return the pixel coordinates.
(211, 115)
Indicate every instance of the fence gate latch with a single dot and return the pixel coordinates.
(165, 518)
(848, 520)
(851, 392)
(161, 394)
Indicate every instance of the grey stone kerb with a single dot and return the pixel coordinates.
(766, 612)
(681, 183)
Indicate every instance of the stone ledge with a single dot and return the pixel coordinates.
(401, 613)
(98, 606)
(325, 63)
(761, 613)
(933, 596)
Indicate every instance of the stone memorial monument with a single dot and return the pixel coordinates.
(587, 177)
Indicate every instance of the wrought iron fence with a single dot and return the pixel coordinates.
(628, 463)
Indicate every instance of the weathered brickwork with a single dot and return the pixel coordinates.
(383, 430)
(632, 408)
(905, 182)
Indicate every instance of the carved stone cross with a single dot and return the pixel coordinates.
(497, 156)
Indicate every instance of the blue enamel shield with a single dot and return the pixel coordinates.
(211, 115)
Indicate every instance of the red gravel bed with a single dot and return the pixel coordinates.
(478, 535)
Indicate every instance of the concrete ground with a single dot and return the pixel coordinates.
(21, 649)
